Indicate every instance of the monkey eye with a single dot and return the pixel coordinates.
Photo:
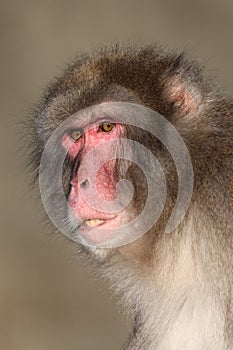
(106, 126)
(76, 134)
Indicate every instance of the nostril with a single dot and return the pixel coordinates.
(84, 184)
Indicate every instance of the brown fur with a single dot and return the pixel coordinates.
(179, 286)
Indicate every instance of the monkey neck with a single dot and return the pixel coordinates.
(182, 308)
(189, 320)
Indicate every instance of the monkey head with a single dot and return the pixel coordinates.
(127, 134)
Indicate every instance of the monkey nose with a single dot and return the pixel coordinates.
(84, 184)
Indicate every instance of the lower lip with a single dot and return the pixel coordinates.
(98, 234)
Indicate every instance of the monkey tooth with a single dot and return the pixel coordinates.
(94, 222)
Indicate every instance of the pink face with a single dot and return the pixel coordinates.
(78, 144)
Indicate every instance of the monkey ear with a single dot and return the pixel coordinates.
(184, 88)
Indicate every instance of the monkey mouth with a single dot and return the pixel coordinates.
(94, 237)
(94, 222)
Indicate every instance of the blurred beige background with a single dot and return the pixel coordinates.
(47, 300)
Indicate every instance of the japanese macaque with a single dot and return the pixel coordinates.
(178, 285)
